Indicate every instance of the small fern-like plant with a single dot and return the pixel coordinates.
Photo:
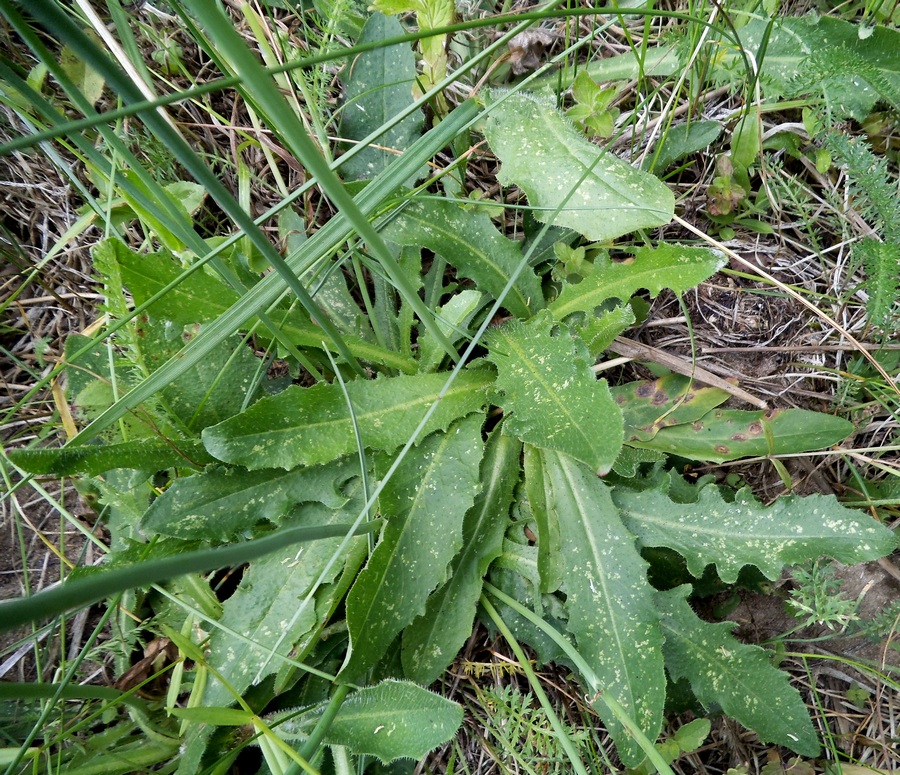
(874, 190)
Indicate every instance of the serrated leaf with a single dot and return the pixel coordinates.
(218, 504)
(745, 532)
(675, 267)
(472, 244)
(94, 459)
(550, 393)
(265, 605)
(543, 155)
(729, 434)
(309, 426)
(739, 678)
(649, 405)
(378, 86)
(432, 641)
(609, 600)
(394, 720)
(600, 330)
(424, 504)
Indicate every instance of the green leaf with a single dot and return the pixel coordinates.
(610, 603)
(600, 331)
(739, 678)
(201, 297)
(263, 611)
(452, 316)
(378, 87)
(684, 139)
(543, 155)
(424, 504)
(432, 641)
(212, 389)
(89, 82)
(870, 66)
(549, 555)
(472, 244)
(745, 532)
(218, 717)
(94, 459)
(549, 391)
(219, 504)
(392, 720)
(308, 426)
(649, 405)
(665, 266)
(729, 434)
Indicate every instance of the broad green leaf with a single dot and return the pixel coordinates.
(745, 532)
(423, 504)
(550, 393)
(610, 602)
(201, 297)
(432, 641)
(265, 605)
(471, 244)
(89, 82)
(738, 678)
(548, 159)
(391, 720)
(211, 390)
(650, 405)
(378, 86)
(729, 434)
(665, 266)
(218, 504)
(93, 459)
(684, 139)
(309, 426)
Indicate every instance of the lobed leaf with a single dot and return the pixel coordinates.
(309, 426)
(609, 600)
(745, 532)
(675, 267)
(601, 196)
(432, 641)
(473, 245)
(729, 434)
(740, 679)
(550, 393)
(263, 611)
(218, 504)
(94, 459)
(424, 504)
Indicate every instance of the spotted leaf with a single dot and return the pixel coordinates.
(745, 532)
